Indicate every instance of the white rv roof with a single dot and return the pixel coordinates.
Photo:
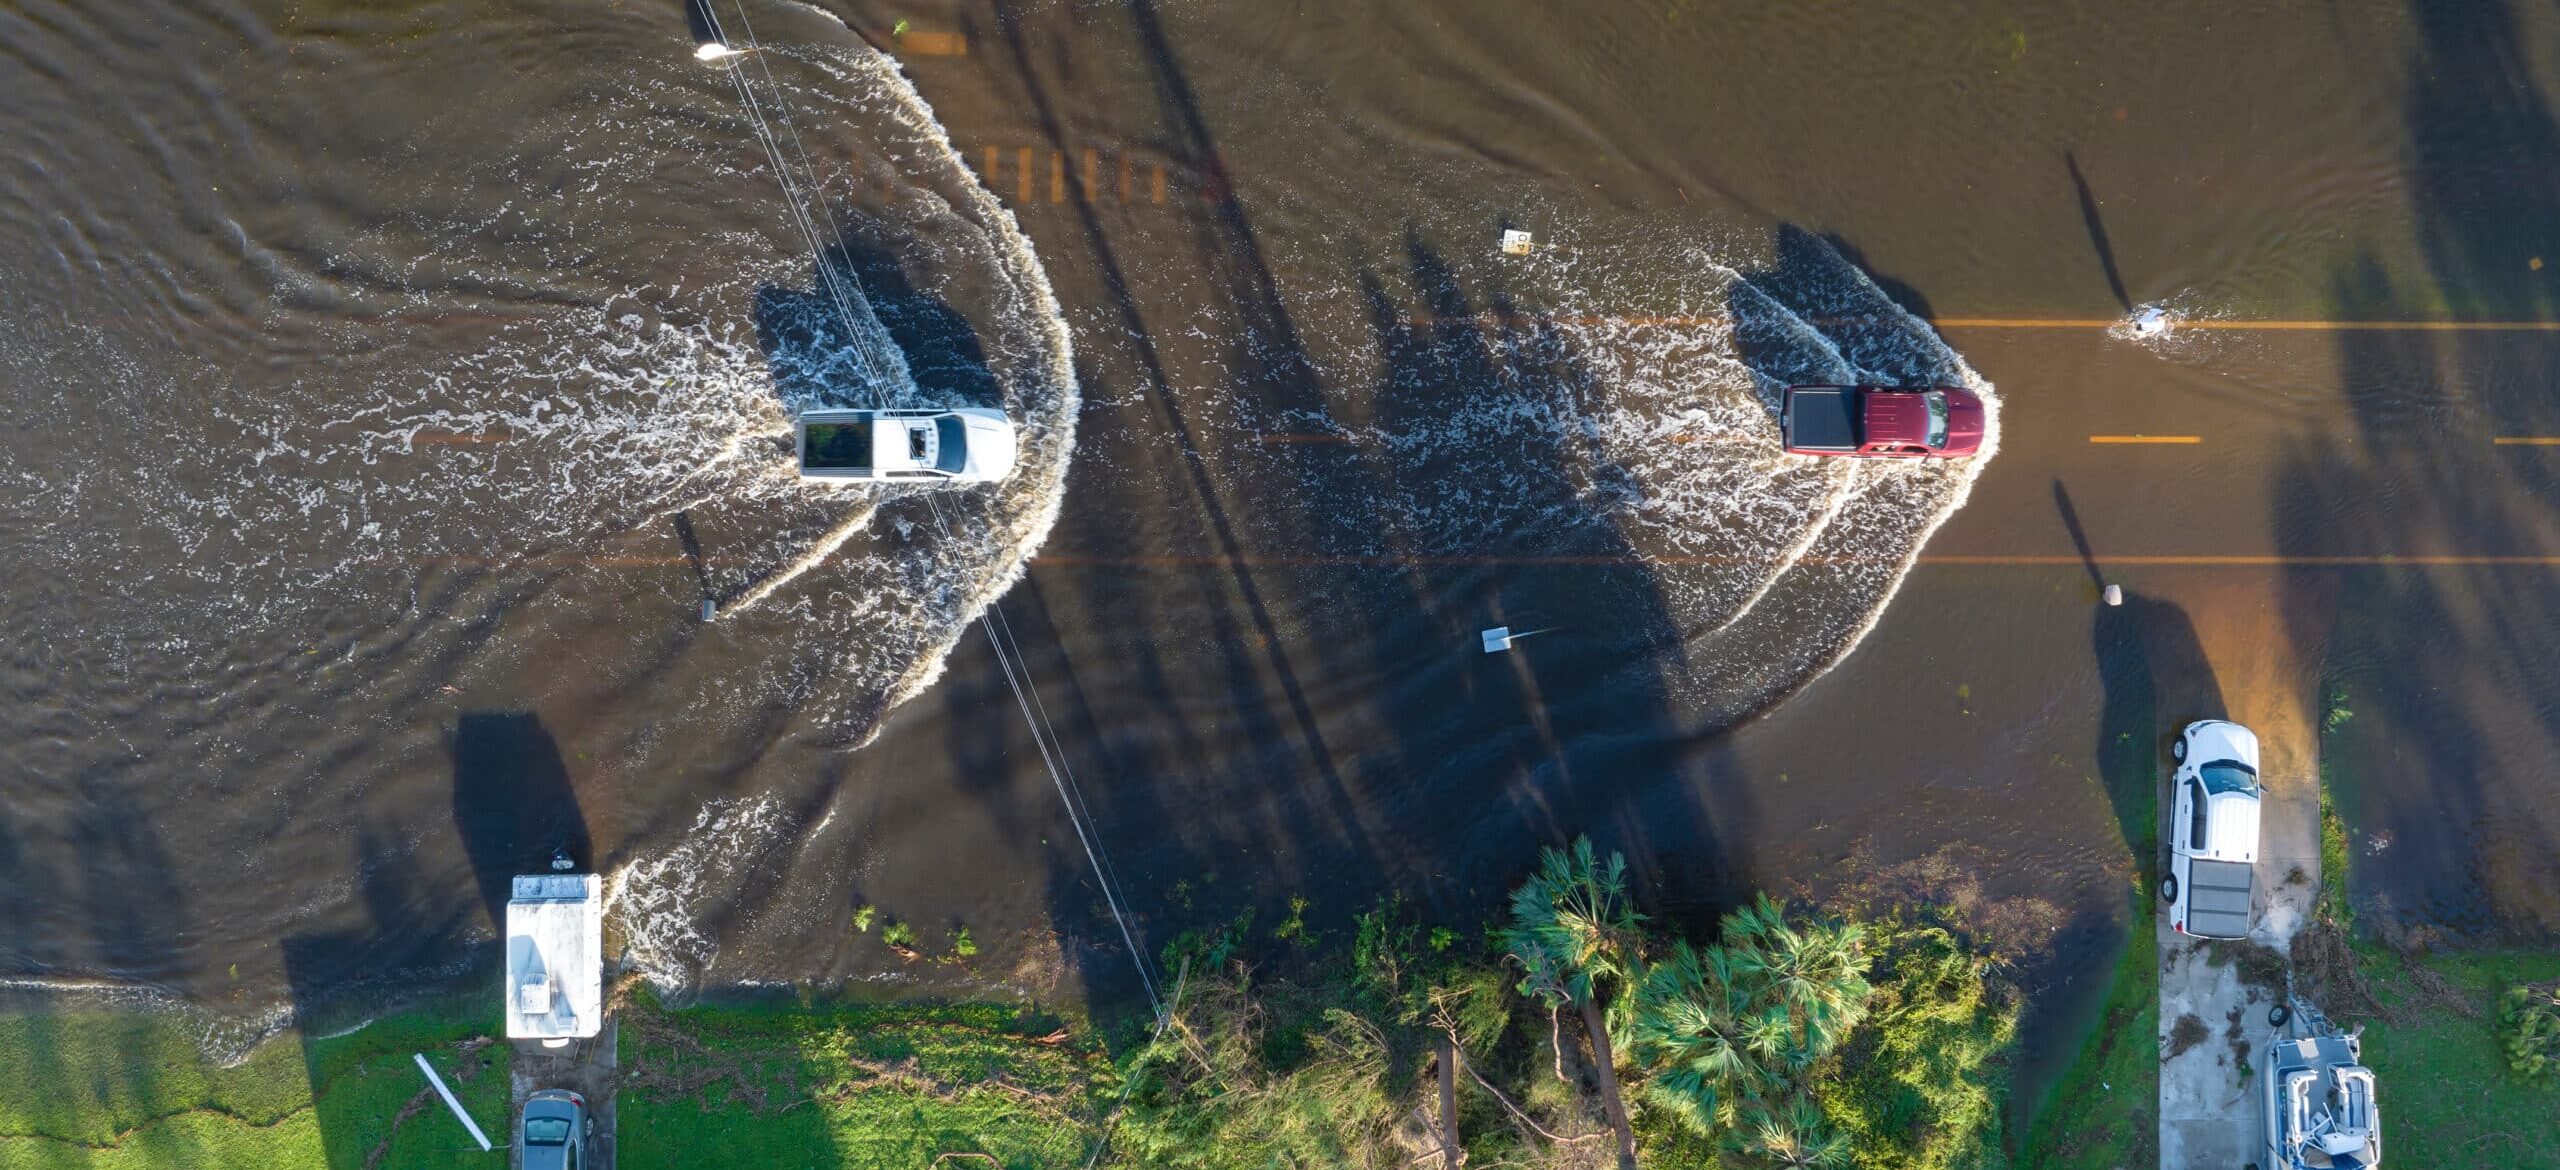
(555, 956)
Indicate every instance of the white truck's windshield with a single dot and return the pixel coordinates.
(2228, 777)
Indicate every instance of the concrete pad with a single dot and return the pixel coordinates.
(2209, 1019)
(2266, 687)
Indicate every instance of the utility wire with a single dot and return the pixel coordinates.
(998, 630)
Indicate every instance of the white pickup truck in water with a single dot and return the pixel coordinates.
(967, 445)
(2213, 830)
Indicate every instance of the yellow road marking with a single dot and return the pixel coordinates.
(1159, 182)
(2180, 439)
(1091, 181)
(2526, 441)
(935, 44)
(1057, 177)
(989, 178)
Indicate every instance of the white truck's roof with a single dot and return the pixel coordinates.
(555, 956)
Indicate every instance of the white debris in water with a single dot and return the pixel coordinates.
(711, 51)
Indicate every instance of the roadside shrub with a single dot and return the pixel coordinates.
(1920, 1086)
(2529, 1030)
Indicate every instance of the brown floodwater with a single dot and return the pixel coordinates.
(385, 391)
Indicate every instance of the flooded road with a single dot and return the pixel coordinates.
(463, 397)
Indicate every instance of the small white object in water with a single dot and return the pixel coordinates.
(2115, 595)
(1497, 639)
(1517, 243)
(2151, 321)
(710, 51)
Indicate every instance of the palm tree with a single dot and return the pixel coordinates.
(1571, 930)
(1815, 973)
(1794, 1136)
(1729, 1027)
(1696, 1027)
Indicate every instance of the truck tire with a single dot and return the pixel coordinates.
(2178, 749)
(2279, 1014)
(2169, 887)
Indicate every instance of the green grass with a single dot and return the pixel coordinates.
(792, 1084)
(2104, 1112)
(2447, 1096)
(112, 1089)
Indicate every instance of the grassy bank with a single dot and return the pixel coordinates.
(2104, 1113)
(120, 1088)
(857, 1085)
(2448, 1097)
(2429, 1016)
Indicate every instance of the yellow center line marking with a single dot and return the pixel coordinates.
(2526, 441)
(2181, 439)
(935, 44)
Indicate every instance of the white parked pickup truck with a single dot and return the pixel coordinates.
(2213, 830)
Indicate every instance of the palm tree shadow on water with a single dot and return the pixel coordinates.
(2440, 772)
(1359, 740)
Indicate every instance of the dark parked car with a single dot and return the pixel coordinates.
(553, 1131)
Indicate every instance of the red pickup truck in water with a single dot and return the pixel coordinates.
(1881, 422)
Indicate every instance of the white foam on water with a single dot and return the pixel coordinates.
(658, 903)
(1656, 431)
(226, 1039)
(2174, 336)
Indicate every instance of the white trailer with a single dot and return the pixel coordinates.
(555, 958)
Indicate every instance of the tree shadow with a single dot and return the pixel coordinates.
(2453, 707)
(2439, 669)
(1297, 705)
(2484, 161)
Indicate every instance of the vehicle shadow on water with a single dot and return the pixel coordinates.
(810, 346)
(1305, 712)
